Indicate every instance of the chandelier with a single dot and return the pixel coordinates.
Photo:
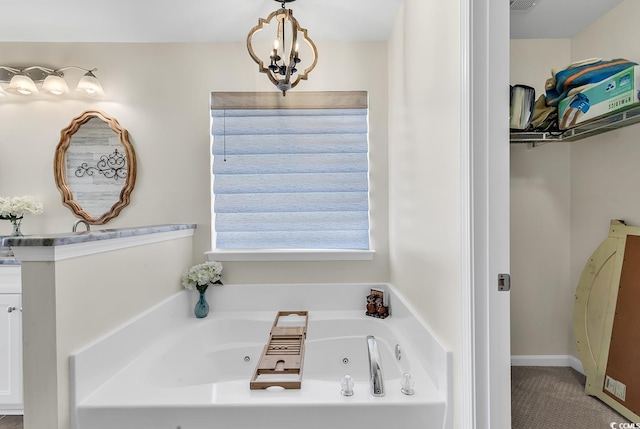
(284, 56)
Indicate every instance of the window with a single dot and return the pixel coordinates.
(290, 172)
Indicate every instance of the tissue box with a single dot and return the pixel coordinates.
(616, 93)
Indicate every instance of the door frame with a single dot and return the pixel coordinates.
(485, 312)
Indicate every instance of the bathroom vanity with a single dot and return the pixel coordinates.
(10, 337)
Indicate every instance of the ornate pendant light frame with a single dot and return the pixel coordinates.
(282, 76)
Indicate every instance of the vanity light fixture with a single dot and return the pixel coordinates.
(55, 85)
(284, 56)
(25, 80)
(90, 85)
(22, 84)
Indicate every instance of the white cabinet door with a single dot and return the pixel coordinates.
(10, 351)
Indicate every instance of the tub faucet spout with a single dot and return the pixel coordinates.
(375, 369)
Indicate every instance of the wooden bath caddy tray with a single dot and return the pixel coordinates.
(283, 356)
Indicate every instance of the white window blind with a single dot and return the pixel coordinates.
(292, 172)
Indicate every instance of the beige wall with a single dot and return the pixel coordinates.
(541, 293)
(564, 195)
(604, 168)
(160, 94)
(424, 165)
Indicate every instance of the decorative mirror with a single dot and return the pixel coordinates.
(95, 167)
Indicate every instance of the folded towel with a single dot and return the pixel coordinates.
(579, 74)
(545, 118)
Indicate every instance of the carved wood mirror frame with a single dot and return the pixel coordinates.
(60, 167)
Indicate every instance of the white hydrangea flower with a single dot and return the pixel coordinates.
(17, 207)
(202, 275)
(5, 207)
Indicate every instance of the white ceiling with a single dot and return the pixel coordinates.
(188, 20)
(230, 20)
(557, 19)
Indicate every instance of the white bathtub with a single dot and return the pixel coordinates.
(195, 375)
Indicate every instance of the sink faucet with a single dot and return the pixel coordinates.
(78, 222)
(375, 370)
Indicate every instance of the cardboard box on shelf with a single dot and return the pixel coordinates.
(616, 93)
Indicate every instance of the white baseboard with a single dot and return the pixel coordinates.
(547, 360)
(11, 412)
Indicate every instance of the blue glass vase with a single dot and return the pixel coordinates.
(202, 307)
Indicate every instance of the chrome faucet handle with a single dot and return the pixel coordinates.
(407, 384)
(347, 386)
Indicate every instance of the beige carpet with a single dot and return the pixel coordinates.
(554, 398)
(11, 422)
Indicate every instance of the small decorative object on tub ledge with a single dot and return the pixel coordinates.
(201, 276)
(14, 209)
(377, 305)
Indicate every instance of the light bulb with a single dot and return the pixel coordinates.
(89, 85)
(22, 84)
(55, 85)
